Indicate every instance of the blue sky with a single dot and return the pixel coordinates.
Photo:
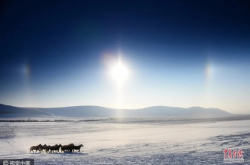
(179, 53)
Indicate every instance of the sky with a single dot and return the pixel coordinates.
(175, 53)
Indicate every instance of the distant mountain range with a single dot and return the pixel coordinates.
(96, 111)
(11, 111)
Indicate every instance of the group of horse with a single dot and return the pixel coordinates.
(56, 148)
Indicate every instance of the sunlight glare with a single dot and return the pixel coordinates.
(119, 73)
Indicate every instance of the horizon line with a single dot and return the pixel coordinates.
(114, 108)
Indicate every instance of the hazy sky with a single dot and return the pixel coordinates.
(178, 53)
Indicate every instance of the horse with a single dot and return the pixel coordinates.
(44, 147)
(55, 148)
(32, 148)
(68, 147)
(48, 148)
(77, 147)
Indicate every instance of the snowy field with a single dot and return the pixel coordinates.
(128, 141)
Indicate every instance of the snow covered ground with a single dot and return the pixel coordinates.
(128, 141)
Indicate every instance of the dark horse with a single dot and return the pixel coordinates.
(68, 147)
(32, 148)
(77, 147)
(55, 148)
(43, 147)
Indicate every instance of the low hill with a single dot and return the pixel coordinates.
(96, 111)
(80, 111)
(163, 111)
(155, 111)
(11, 111)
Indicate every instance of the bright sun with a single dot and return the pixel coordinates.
(119, 73)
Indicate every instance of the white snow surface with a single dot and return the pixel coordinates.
(127, 141)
